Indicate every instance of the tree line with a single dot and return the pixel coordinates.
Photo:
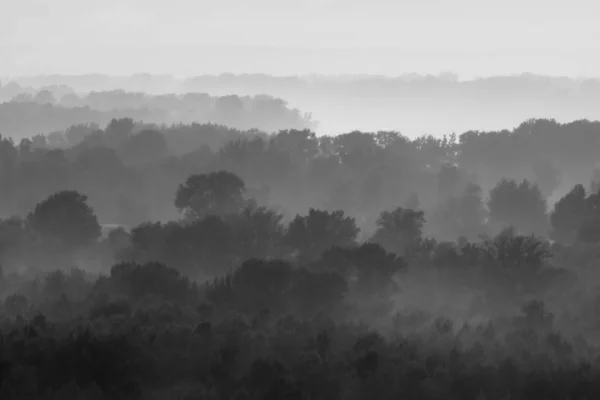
(30, 112)
(411, 283)
(296, 311)
(130, 170)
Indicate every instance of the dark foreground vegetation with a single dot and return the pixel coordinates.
(443, 273)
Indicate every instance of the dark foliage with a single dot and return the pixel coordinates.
(218, 193)
(337, 300)
(65, 220)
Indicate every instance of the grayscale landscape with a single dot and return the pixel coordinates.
(310, 200)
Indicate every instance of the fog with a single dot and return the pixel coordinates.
(317, 200)
(412, 104)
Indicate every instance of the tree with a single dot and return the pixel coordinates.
(313, 292)
(101, 160)
(255, 159)
(520, 205)
(117, 131)
(511, 250)
(8, 155)
(318, 231)
(590, 230)
(201, 247)
(148, 242)
(518, 259)
(229, 109)
(302, 145)
(25, 150)
(370, 263)
(462, 216)
(156, 279)
(65, 220)
(260, 284)
(13, 238)
(397, 230)
(570, 214)
(75, 134)
(257, 232)
(217, 193)
(44, 97)
(55, 140)
(147, 146)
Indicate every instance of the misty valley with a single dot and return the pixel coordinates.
(209, 245)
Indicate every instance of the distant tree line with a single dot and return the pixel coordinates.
(28, 114)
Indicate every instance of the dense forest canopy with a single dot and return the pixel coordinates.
(146, 259)
(130, 170)
(310, 225)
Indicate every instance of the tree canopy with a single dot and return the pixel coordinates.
(217, 193)
(65, 219)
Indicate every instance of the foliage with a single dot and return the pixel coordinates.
(570, 214)
(150, 279)
(519, 205)
(218, 193)
(65, 220)
(295, 304)
(397, 230)
(320, 230)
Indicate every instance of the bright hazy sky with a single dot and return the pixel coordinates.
(191, 37)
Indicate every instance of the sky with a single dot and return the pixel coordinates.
(280, 37)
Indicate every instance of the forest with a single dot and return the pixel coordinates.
(198, 261)
(27, 111)
(415, 104)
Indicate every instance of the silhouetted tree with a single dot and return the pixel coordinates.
(151, 279)
(258, 232)
(369, 268)
(519, 258)
(397, 230)
(217, 193)
(44, 97)
(65, 220)
(117, 131)
(570, 215)
(318, 231)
